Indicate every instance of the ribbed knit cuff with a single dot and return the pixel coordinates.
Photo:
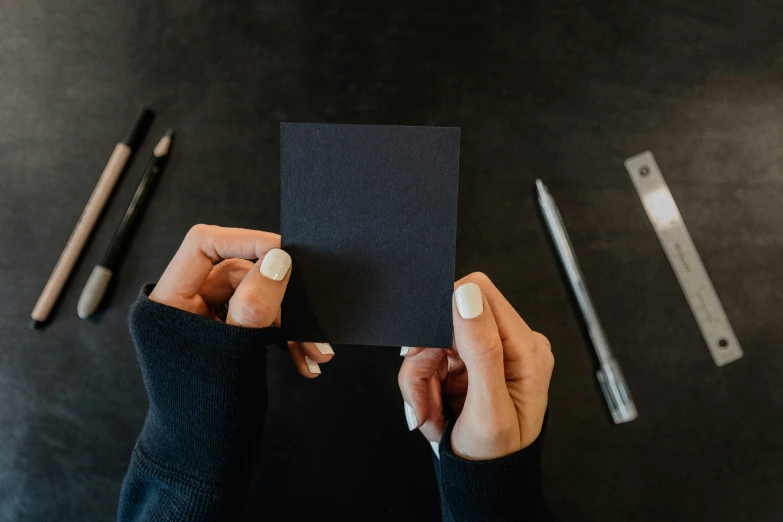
(206, 383)
(507, 488)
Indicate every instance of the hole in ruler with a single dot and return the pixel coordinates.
(723, 343)
(644, 170)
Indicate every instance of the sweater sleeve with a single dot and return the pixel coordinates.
(504, 489)
(206, 384)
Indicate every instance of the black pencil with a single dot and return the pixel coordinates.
(101, 275)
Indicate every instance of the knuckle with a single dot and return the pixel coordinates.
(198, 231)
(223, 267)
(549, 361)
(520, 342)
(251, 310)
(402, 379)
(406, 379)
(410, 382)
(544, 351)
(486, 347)
(230, 265)
(411, 387)
(543, 341)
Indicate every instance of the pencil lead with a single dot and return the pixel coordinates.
(162, 148)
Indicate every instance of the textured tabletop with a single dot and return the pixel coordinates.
(564, 91)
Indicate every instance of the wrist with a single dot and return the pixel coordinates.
(485, 444)
(206, 386)
(491, 490)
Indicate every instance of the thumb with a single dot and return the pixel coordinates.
(256, 302)
(488, 426)
(477, 340)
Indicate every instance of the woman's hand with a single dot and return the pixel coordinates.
(212, 269)
(495, 378)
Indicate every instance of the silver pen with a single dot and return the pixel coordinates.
(617, 396)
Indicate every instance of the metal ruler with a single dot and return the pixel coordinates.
(683, 257)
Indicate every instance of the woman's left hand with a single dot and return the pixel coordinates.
(212, 268)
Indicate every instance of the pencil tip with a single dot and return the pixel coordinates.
(162, 148)
(34, 324)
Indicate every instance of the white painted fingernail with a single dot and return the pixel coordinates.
(324, 348)
(312, 366)
(410, 417)
(469, 303)
(276, 264)
(404, 350)
(435, 449)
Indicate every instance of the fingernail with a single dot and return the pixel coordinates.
(312, 366)
(276, 264)
(410, 417)
(324, 348)
(434, 446)
(404, 350)
(469, 303)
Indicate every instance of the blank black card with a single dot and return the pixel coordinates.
(369, 216)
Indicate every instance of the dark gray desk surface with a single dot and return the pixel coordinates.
(560, 90)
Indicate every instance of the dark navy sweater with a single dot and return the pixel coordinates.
(206, 383)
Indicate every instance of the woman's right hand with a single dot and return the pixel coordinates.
(495, 378)
(212, 270)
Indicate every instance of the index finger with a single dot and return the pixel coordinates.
(202, 247)
(415, 382)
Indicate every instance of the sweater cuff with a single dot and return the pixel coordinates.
(507, 488)
(206, 383)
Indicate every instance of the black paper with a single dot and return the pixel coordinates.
(369, 216)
